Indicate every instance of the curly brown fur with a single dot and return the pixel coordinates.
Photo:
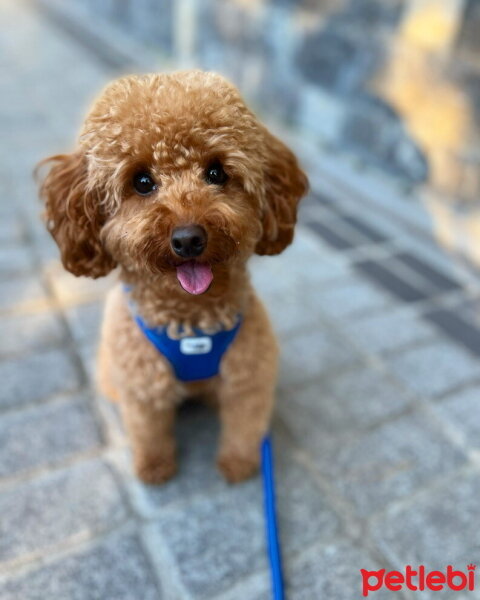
(173, 126)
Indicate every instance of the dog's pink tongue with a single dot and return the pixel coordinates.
(194, 277)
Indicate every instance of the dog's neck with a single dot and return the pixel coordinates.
(161, 301)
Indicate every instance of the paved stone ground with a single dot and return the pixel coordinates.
(378, 423)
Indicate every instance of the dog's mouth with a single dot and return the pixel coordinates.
(194, 277)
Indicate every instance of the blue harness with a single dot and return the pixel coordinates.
(194, 357)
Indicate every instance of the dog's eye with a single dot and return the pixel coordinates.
(143, 184)
(215, 174)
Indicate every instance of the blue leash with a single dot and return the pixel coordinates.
(273, 543)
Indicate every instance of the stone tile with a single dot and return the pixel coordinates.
(462, 411)
(115, 568)
(21, 292)
(434, 276)
(430, 251)
(114, 432)
(306, 246)
(293, 311)
(350, 297)
(45, 435)
(302, 266)
(390, 281)
(12, 230)
(299, 501)
(383, 223)
(386, 464)
(288, 284)
(434, 369)
(458, 329)
(469, 309)
(438, 530)
(365, 228)
(332, 237)
(311, 354)
(350, 401)
(15, 260)
(319, 272)
(45, 247)
(27, 332)
(388, 331)
(64, 506)
(88, 355)
(224, 541)
(290, 315)
(256, 587)
(312, 209)
(35, 377)
(332, 572)
(70, 289)
(85, 321)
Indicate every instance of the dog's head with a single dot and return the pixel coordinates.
(173, 174)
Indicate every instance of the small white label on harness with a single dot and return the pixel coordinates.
(196, 345)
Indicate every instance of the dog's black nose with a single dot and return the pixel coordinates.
(189, 241)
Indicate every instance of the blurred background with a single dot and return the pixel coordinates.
(393, 83)
(376, 305)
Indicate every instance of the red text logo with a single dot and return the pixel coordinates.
(418, 579)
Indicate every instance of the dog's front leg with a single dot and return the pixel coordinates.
(151, 435)
(246, 395)
(245, 418)
(142, 381)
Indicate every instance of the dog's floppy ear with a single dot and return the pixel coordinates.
(285, 184)
(74, 215)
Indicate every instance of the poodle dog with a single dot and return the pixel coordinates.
(176, 183)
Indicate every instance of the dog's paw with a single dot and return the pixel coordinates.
(156, 472)
(237, 468)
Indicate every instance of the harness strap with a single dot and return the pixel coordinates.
(194, 357)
